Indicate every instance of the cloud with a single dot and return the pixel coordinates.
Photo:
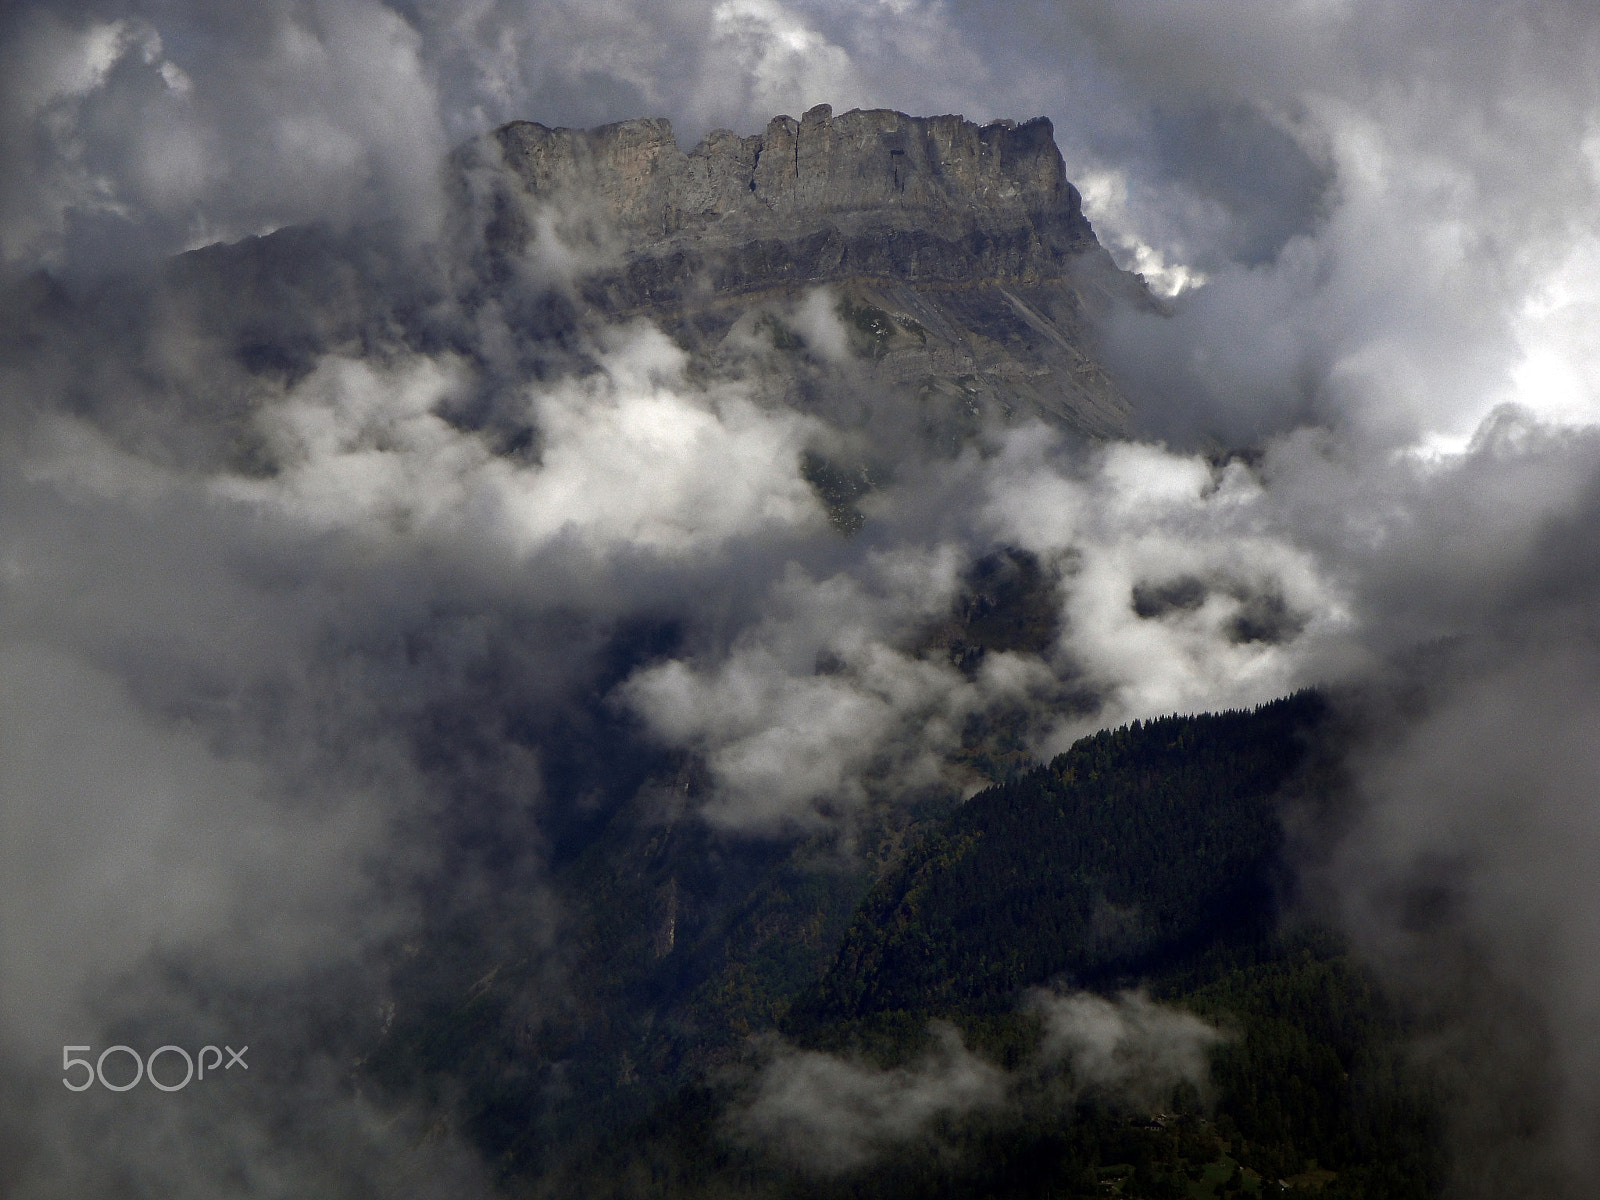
(816, 700)
(125, 838)
(1129, 1048)
(208, 833)
(629, 456)
(786, 63)
(830, 1114)
(1142, 522)
(293, 1132)
(1467, 883)
(141, 134)
(830, 690)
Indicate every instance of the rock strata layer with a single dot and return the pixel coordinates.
(916, 198)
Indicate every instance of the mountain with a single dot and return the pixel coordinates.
(960, 253)
(942, 268)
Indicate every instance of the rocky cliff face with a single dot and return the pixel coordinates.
(995, 198)
(959, 253)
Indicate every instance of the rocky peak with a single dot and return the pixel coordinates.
(958, 253)
(864, 174)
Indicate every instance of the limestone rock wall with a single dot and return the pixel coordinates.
(998, 192)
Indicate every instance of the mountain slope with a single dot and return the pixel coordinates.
(1146, 855)
(1138, 846)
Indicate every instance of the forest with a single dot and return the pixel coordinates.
(1147, 867)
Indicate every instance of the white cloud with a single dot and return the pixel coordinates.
(630, 456)
(1129, 1048)
(1181, 588)
(1142, 517)
(298, 114)
(1105, 203)
(785, 65)
(817, 699)
(831, 1115)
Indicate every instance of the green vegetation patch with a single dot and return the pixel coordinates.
(875, 331)
(839, 489)
(783, 338)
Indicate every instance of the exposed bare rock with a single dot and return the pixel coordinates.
(864, 173)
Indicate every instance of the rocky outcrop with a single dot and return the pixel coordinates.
(942, 174)
(968, 241)
(866, 194)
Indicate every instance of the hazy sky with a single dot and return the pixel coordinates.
(225, 695)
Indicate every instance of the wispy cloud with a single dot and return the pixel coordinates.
(830, 1114)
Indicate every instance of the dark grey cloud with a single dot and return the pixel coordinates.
(1468, 882)
(134, 131)
(1451, 141)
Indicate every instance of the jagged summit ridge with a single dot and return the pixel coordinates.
(863, 168)
(913, 198)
